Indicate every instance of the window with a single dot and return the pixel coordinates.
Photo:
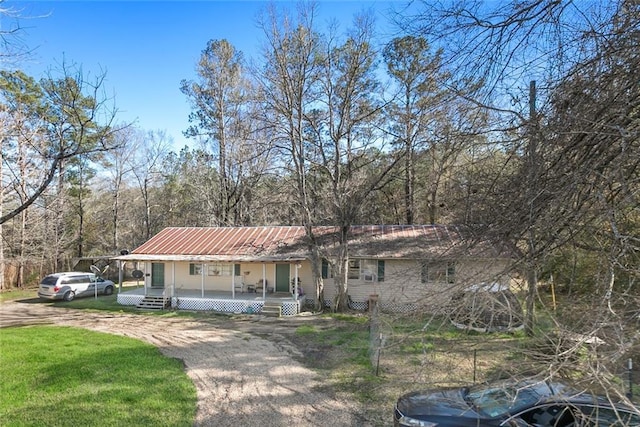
(368, 270)
(51, 280)
(327, 271)
(501, 400)
(609, 417)
(380, 270)
(220, 269)
(195, 269)
(354, 269)
(437, 272)
(236, 270)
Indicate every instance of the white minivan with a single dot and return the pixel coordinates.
(73, 284)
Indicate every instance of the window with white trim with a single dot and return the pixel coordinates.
(220, 269)
(437, 272)
(327, 270)
(368, 270)
(354, 269)
(195, 269)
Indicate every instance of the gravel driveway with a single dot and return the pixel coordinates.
(241, 378)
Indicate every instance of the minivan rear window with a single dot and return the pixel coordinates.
(49, 280)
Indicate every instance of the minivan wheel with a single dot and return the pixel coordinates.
(108, 290)
(69, 295)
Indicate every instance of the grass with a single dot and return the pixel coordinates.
(62, 376)
(13, 294)
(102, 303)
(93, 379)
(417, 353)
(421, 353)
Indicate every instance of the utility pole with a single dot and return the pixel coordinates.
(532, 178)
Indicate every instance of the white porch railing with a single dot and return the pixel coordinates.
(247, 303)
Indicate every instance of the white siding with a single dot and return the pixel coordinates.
(402, 283)
(402, 280)
(250, 274)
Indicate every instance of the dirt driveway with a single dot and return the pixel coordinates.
(241, 378)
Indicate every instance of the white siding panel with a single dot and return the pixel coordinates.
(402, 283)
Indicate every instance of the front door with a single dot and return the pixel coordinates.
(157, 275)
(282, 278)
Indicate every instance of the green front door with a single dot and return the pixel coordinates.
(282, 278)
(157, 275)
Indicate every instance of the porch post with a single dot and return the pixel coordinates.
(295, 280)
(264, 281)
(233, 281)
(173, 278)
(147, 277)
(173, 283)
(120, 276)
(203, 266)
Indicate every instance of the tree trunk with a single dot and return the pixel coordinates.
(23, 215)
(341, 298)
(115, 211)
(316, 272)
(2, 284)
(409, 181)
(532, 286)
(59, 219)
(532, 174)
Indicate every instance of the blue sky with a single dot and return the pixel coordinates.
(147, 47)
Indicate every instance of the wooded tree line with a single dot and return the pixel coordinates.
(519, 122)
(307, 139)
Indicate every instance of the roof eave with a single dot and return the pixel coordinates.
(208, 258)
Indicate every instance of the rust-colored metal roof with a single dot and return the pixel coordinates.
(288, 243)
(227, 243)
(417, 242)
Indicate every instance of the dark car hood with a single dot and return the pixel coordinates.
(448, 402)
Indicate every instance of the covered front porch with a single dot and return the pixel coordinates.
(215, 283)
(215, 300)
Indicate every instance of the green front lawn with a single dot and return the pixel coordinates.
(20, 293)
(103, 302)
(64, 376)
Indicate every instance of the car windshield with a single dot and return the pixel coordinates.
(504, 399)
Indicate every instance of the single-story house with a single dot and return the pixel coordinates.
(239, 269)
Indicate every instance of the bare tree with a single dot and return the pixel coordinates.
(153, 146)
(221, 118)
(348, 146)
(325, 112)
(287, 84)
(118, 166)
(21, 172)
(3, 125)
(12, 47)
(569, 142)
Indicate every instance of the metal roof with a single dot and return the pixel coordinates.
(288, 243)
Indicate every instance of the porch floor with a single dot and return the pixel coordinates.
(196, 293)
(221, 301)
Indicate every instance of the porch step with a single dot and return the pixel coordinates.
(153, 303)
(271, 309)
